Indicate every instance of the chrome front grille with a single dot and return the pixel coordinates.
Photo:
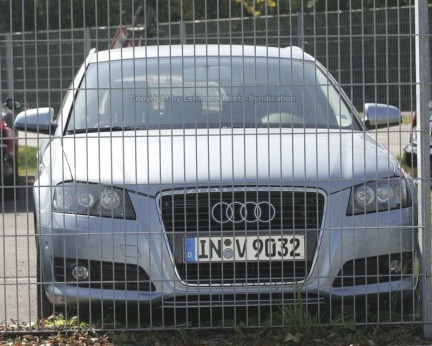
(236, 212)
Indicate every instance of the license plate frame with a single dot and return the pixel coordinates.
(244, 248)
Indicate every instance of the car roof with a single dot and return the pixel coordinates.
(199, 50)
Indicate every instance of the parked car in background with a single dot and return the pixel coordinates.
(410, 151)
(8, 152)
(265, 186)
(10, 109)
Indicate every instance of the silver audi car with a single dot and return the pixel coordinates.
(214, 175)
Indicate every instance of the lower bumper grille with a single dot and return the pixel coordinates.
(243, 273)
(241, 300)
(104, 275)
(374, 270)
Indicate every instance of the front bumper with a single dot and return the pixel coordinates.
(133, 261)
(164, 286)
(69, 295)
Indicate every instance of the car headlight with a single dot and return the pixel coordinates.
(92, 199)
(380, 195)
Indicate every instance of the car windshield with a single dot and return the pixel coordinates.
(207, 92)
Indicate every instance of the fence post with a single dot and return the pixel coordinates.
(1, 71)
(300, 30)
(422, 110)
(9, 65)
(182, 30)
(87, 40)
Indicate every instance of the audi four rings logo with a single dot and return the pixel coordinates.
(236, 212)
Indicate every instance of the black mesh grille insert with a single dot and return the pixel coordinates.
(195, 212)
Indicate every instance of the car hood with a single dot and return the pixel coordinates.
(227, 156)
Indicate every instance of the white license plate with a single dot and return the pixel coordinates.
(229, 249)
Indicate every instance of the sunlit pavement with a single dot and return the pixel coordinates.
(17, 259)
(394, 138)
(29, 139)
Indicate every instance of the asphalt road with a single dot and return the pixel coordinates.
(17, 244)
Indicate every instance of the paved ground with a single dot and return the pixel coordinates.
(394, 138)
(17, 243)
(17, 259)
(29, 139)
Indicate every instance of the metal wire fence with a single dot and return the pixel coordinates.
(196, 176)
(369, 51)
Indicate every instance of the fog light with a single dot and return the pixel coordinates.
(80, 273)
(396, 266)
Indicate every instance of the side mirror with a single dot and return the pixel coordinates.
(38, 120)
(378, 116)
